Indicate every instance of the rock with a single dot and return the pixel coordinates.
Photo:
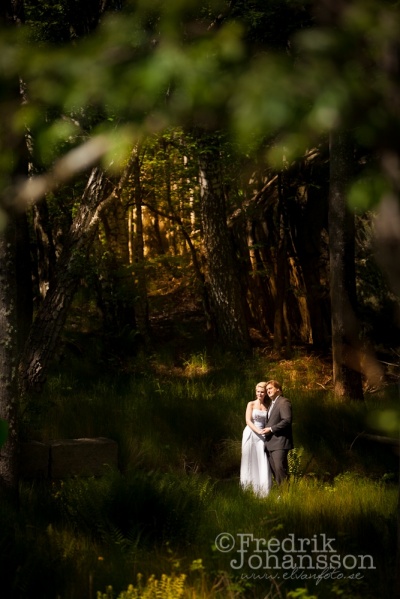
(63, 458)
(82, 457)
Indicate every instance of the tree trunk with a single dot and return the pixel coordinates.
(51, 316)
(115, 284)
(345, 343)
(48, 324)
(281, 272)
(45, 249)
(309, 221)
(142, 303)
(260, 299)
(8, 353)
(12, 275)
(221, 271)
(24, 280)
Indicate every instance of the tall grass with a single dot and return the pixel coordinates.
(178, 427)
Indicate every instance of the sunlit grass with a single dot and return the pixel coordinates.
(357, 514)
(341, 502)
(301, 371)
(197, 365)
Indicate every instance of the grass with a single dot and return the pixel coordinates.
(178, 422)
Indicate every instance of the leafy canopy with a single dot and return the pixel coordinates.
(259, 70)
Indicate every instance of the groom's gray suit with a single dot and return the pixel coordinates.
(280, 440)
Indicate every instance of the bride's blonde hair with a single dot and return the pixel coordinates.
(262, 384)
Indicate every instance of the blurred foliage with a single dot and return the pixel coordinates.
(260, 69)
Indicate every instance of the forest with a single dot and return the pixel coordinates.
(194, 197)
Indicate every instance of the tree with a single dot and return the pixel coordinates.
(11, 13)
(345, 334)
(221, 272)
(142, 304)
(39, 349)
(8, 351)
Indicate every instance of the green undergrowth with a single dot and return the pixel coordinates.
(86, 535)
(174, 511)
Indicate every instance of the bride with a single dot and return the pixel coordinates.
(255, 472)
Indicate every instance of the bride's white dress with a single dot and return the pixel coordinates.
(255, 471)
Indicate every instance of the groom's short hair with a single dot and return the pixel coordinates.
(275, 384)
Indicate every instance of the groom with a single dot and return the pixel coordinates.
(279, 439)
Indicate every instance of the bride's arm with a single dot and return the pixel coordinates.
(249, 420)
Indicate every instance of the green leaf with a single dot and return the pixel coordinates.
(366, 193)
